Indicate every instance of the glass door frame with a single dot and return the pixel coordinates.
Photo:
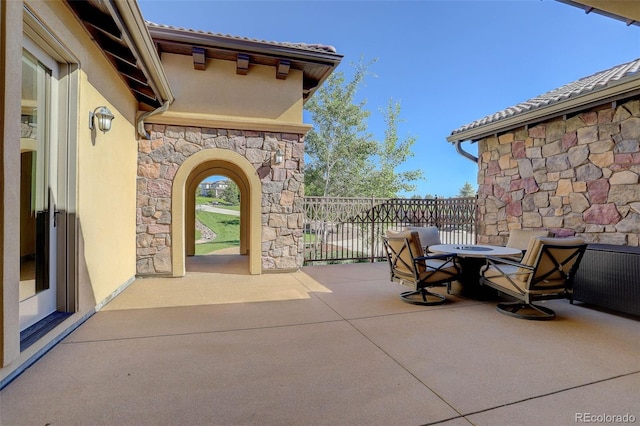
(66, 117)
(39, 76)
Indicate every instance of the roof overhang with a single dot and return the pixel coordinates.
(623, 89)
(315, 62)
(120, 31)
(623, 10)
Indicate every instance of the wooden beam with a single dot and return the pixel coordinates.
(91, 15)
(111, 46)
(142, 89)
(242, 64)
(133, 73)
(282, 69)
(141, 97)
(309, 83)
(199, 58)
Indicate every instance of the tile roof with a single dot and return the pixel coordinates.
(303, 46)
(584, 86)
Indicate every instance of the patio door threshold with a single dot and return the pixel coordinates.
(33, 333)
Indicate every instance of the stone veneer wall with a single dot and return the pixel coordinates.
(282, 191)
(574, 176)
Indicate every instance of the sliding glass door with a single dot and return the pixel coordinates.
(38, 188)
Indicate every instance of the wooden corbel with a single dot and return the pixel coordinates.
(199, 58)
(242, 64)
(282, 69)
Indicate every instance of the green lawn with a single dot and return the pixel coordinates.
(226, 227)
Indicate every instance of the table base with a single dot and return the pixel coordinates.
(470, 279)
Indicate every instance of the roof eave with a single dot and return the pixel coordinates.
(142, 43)
(253, 46)
(620, 11)
(118, 29)
(621, 89)
(328, 60)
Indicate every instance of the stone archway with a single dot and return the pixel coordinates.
(176, 158)
(190, 173)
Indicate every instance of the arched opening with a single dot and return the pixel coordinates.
(204, 170)
(217, 224)
(196, 168)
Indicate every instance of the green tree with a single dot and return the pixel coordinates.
(467, 190)
(338, 146)
(344, 159)
(231, 193)
(386, 181)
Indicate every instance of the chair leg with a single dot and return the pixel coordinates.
(527, 311)
(423, 297)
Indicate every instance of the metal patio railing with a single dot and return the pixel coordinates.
(350, 229)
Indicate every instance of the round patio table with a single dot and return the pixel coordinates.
(472, 258)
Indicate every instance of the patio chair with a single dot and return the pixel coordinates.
(520, 238)
(429, 235)
(409, 266)
(545, 272)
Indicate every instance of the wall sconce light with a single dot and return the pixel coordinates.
(104, 116)
(278, 157)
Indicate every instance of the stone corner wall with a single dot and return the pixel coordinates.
(573, 176)
(282, 191)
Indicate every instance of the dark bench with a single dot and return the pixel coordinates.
(609, 277)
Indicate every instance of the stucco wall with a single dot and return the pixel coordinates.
(577, 175)
(106, 195)
(218, 90)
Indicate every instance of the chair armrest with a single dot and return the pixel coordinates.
(496, 263)
(436, 256)
(501, 260)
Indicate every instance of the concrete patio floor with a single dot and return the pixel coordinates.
(328, 345)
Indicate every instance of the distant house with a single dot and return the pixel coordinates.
(89, 204)
(567, 161)
(204, 188)
(213, 189)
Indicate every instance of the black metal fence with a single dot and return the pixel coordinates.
(350, 229)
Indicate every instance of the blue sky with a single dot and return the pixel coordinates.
(447, 62)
